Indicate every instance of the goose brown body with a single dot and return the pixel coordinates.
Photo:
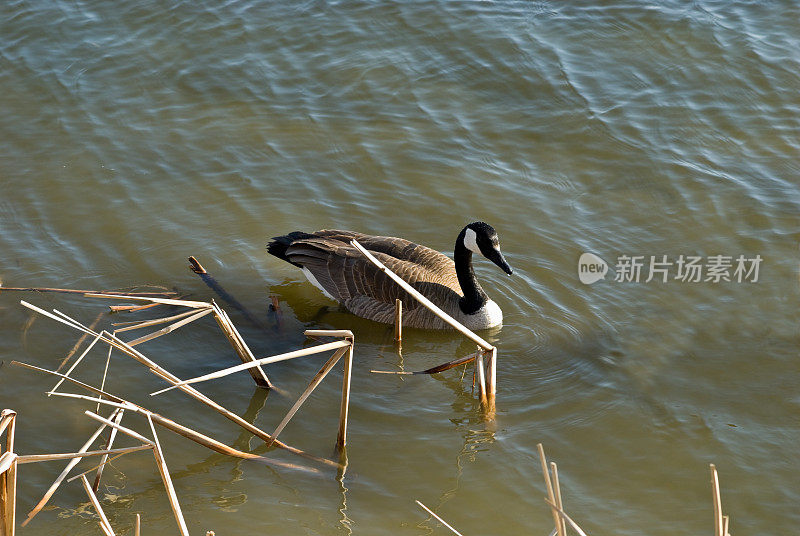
(332, 264)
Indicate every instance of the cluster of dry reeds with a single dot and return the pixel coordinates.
(343, 347)
(562, 520)
(193, 310)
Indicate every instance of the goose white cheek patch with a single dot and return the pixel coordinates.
(471, 242)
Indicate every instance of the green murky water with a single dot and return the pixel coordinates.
(134, 134)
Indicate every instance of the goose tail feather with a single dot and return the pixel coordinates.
(280, 244)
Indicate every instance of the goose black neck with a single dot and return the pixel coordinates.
(474, 296)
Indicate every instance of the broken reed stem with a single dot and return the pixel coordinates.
(549, 486)
(77, 361)
(105, 374)
(188, 433)
(126, 295)
(165, 301)
(127, 431)
(131, 308)
(562, 514)
(341, 439)
(439, 519)
(109, 460)
(109, 444)
(162, 468)
(138, 324)
(263, 361)
(36, 458)
(7, 459)
(241, 348)
(137, 526)
(7, 420)
(491, 378)
(78, 343)
(423, 300)
(557, 492)
(8, 474)
(433, 370)
(398, 320)
(718, 528)
(481, 380)
(315, 381)
(104, 523)
(167, 376)
(171, 327)
(348, 342)
(54, 486)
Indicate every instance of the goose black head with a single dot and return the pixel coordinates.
(480, 237)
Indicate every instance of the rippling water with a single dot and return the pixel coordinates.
(134, 134)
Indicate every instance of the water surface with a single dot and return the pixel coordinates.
(134, 134)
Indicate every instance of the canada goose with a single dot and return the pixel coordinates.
(342, 273)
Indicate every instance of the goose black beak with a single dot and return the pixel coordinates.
(496, 257)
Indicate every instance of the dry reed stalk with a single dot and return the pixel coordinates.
(433, 370)
(725, 522)
(105, 372)
(7, 418)
(120, 452)
(54, 486)
(186, 432)
(328, 333)
(137, 526)
(164, 301)
(125, 295)
(315, 381)
(170, 328)
(481, 380)
(7, 459)
(127, 431)
(77, 361)
(341, 438)
(195, 266)
(718, 526)
(37, 458)
(423, 300)
(263, 361)
(138, 324)
(162, 468)
(439, 519)
(104, 522)
(109, 444)
(241, 348)
(8, 492)
(171, 378)
(563, 515)
(550, 493)
(491, 378)
(78, 343)
(236, 332)
(213, 444)
(398, 320)
(131, 308)
(8, 474)
(557, 492)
